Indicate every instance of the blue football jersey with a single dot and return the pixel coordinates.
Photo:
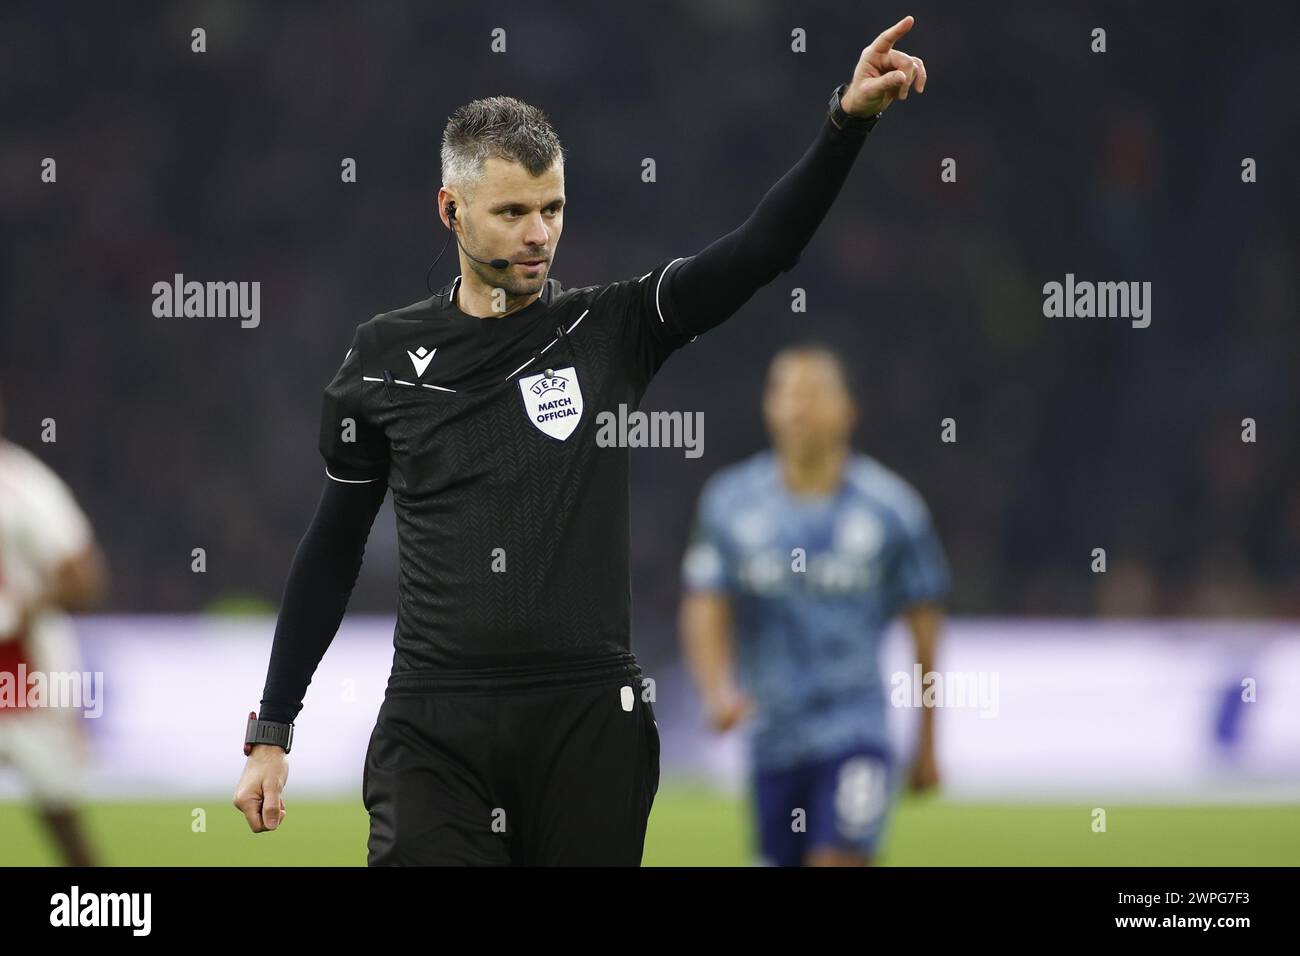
(813, 583)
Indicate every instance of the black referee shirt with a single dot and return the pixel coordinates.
(512, 521)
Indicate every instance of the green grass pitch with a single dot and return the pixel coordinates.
(697, 827)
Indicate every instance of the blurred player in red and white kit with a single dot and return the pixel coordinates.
(49, 564)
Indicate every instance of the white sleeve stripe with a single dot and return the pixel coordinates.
(576, 321)
(659, 285)
(351, 481)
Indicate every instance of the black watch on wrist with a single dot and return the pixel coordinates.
(266, 732)
(843, 121)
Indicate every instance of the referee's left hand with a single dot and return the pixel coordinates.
(883, 74)
(260, 793)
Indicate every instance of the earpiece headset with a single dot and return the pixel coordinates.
(451, 228)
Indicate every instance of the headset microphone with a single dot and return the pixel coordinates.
(494, 263)
(451, 216)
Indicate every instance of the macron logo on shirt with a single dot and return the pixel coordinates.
(421, 358)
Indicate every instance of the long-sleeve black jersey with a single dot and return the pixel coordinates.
(513, 521)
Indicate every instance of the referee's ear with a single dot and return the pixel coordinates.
(447, 205)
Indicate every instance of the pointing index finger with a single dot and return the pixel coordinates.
(889, 37)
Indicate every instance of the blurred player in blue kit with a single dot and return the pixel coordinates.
(800, 558)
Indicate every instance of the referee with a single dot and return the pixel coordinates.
(514, 729)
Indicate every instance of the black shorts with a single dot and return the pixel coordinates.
(522, 772)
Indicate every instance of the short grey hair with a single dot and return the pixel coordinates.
(500, 126)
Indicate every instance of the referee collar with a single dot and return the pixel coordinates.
(447, 299)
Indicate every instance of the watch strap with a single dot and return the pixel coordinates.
(844, 121)
(266, 732)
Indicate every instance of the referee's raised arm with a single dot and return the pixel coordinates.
(709, 287)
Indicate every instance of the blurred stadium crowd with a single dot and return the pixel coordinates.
(1072, 434)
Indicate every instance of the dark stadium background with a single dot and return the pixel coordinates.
(1073, 434)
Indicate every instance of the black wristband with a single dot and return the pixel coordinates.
(845, 122)
(267, 732)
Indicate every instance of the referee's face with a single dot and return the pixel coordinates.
(807, 404)
(517, 216)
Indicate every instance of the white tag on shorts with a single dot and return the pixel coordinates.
(628, 697)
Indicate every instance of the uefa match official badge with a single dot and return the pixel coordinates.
(553, 401)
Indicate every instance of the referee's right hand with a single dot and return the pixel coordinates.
(261, 787)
